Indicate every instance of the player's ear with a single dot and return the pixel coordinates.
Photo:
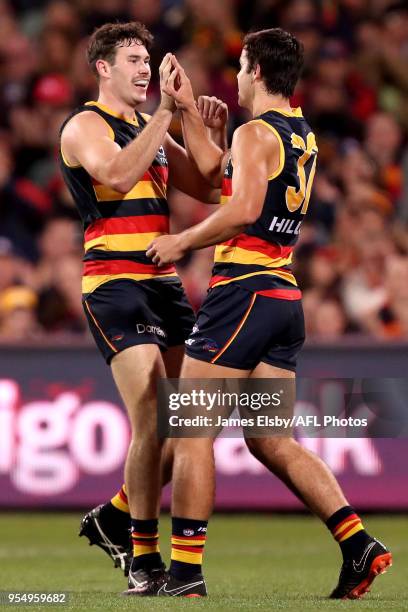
(103, 68)
(257, 73)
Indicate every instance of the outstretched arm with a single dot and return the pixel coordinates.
(253, 147)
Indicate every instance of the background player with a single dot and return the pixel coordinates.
(253, 314)
(117, 163)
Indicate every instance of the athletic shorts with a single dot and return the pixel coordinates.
(239, 329)
(124, 313)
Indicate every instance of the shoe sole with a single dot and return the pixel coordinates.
(379, 566)
(92, 542)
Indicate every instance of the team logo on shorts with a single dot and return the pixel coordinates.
(115, 335)
(210, 345)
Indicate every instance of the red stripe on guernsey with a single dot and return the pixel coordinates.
(352, 517)
(123, 266)
(127, 225)
(157, 172)
(252, 243)
(281, 294)
(193, 549)
(226, 187)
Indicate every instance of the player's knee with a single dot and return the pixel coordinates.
(192, 447)
(272, 448)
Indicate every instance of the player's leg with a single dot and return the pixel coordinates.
(313, 482)
(301, 470)
(193, 493)
(136, 371)
(108, 525)
(211, 354)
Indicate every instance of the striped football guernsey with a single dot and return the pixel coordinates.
(119, 227)
(259, 259)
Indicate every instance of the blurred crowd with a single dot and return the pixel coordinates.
(352, 260)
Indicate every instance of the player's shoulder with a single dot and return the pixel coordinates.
(254, 133)
(85, 123)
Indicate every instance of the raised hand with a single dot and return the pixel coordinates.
(165, 69)
(213, 111)
(178, 86)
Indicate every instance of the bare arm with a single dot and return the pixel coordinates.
(87, 140)
(184, 174)
(207, 155)
(254, 146)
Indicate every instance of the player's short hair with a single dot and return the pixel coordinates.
(105, 41)
(280, 57)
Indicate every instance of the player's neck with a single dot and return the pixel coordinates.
(264, 102)
(118, 106)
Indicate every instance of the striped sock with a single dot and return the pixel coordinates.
(120, 500)
(187, 547)
(348, 530)
(145, 538)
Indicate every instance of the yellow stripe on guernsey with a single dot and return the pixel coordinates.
(281, 147)
(122, 242)
(285, 275)
(228, 254)
(142, 189)
(90, 283)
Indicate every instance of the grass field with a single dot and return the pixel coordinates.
(253, 562)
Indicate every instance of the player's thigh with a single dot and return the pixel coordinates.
(278, 440)
(136, 371)
(195, 368)
(264, 370)
(229, 332)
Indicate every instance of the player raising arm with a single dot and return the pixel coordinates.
(251, 323)
(117, 163)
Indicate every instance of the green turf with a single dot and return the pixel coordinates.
(252, 563)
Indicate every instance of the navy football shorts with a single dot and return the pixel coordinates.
(239, 329)
(124, 313)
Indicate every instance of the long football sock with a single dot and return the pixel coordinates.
(120, 500)
(145, 538)
(187, 547)
(347, 529)
(116, 519)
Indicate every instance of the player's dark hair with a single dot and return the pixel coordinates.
(280, 57)
(105, 41)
